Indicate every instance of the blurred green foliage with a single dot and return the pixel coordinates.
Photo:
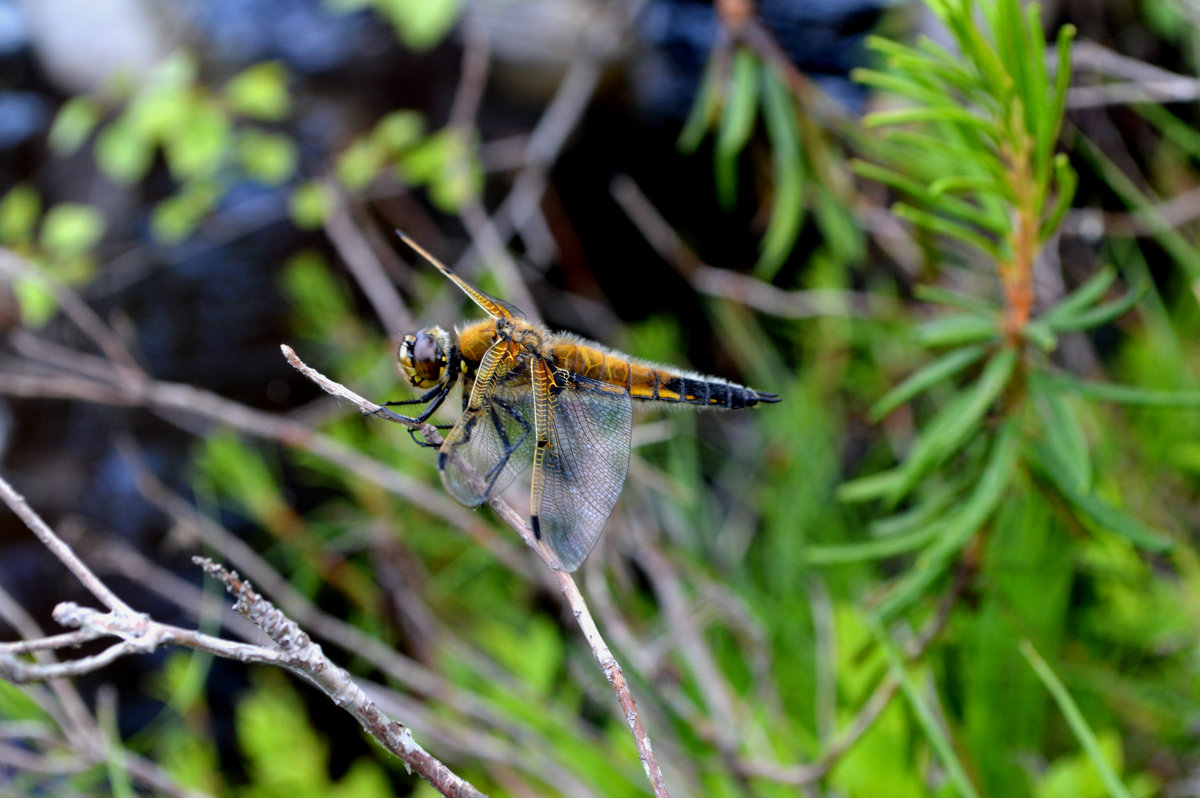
(762, 580)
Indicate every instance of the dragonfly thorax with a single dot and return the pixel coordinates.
(423, 357)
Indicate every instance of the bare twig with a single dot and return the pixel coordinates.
(60, 549)
(304, 657)
(78, 311)
(1141, 82)
(139, 634)
(1094, 224)
(749, 291)
(180, 403)
(546, 141)
(356, 252)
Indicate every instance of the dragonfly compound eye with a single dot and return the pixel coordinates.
(423, 357)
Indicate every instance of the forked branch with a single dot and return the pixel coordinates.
(137, 633)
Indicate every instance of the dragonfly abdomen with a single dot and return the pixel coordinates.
(695, 390)
(650, 384)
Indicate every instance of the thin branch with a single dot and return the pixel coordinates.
(177, 403)
(64, 640)
(1141, 82)
(60, 549)
(355, 250)
(546, 141)
(305, 658)
(78, 311)
(741, 288)
(1093, 224)
(139, 634)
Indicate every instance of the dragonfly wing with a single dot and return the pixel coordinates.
(496, 308)
(492, 441)
(583, 468)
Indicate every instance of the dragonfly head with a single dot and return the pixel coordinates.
(423, 357)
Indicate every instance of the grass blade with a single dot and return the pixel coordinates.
(925, 716)
(1079, 725)
(736, 124)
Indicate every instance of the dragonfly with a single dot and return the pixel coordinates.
(550, 400)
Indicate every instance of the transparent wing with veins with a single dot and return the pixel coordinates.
(496, 308)
(584, 430)
(495, 433)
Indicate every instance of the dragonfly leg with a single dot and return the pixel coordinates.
(422, 442)
(432, 399)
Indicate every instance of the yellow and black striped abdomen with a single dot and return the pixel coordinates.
(651, 384)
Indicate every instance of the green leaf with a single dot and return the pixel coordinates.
(923, 514)
(1067, 180)
(942, 113)
(839, 228)
(870, 487)
(320, 302)
(1040, 334)
(242, 473)
(1062, 82)
(359, 164)
(961, 183)
(933, 293)
(19, 213)
(197, 148)
(447, 162)
(944, 204)
(260, 92)
(958, 528)
(397, 132)
(953, 426)
(1095, 512)
(736, 124)
(914, 85)
(269, 158)
(1062, 436)
(70, 230)
(704, 112)
(74, 122)
(941, 369)
(176, 217)
(420, 24)
(37, 302)
(956, 330)
(928, 719)
(1083, 297)
(1101, 314)
(871, 550)
(947, 227)
(787, 212)
(1079, 725)
(122, 153)
(309, 204)
(1126, 394)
